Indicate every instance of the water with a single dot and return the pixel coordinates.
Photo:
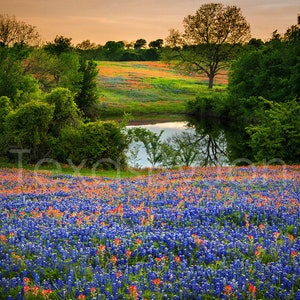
(170, 129)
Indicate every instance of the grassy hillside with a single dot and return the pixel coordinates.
(148, 88)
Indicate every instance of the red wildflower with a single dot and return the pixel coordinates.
(156, 281)
(81, 296)
(3, 238)
(128, 253)
(177, 259)
(26, 289)
(294, 253)
(46, 293)
(276, 235)
(113, 259)
(252, 289)
(35, 290)
(101, 249)
(133, 292)
(117, 242)
(228, 290)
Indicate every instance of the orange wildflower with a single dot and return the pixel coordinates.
(101, 249)
(294, 253)
(177, 259)
(228, 290)
(46, 293)
(133, 292)
(128, 253)
(26, 289)
(3, 238)
(119, 274)
(113, 259)
(156, 282)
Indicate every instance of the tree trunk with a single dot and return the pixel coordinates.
(211, 79)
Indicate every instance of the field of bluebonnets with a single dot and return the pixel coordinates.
(199, 233)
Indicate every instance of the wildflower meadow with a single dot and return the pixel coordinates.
(193, 233)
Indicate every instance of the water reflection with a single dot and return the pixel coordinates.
(203, 145)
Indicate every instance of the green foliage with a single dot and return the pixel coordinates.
(140, 43)
(27, 128)
(96, 144)
(13, 83)
(277, 135)
(213, 104)
(5, 109)
(87, 97)
(114, 50)
(271, 70)
(65, 110)
(60, 45)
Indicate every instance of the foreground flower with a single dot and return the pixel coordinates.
(133, 292)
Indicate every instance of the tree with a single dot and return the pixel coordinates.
(65, 110)
(97, 144)
(60, 45)
(156, 44)
(27, 128)
(14, 84)
(271, 70)
(13, 32)
(87, 97)
(276, 137)
(139, 44)
(114, 50)
(86, 45)
(209, 39)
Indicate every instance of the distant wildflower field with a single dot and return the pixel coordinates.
(148, 87)
(194, 233)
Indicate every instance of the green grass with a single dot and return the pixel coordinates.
(60, 169)
(145, 88)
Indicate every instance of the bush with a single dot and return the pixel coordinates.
(96, 144)
(213, 104)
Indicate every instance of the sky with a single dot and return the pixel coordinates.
(128, 20)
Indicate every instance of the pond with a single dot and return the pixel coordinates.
(211, 147)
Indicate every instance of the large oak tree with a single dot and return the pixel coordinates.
(208, 40)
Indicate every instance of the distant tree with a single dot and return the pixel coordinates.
(13, 32)
(156, 44)
(60, 45)
(114, 50)
(86, 45)
(139, 44)
(209, 39)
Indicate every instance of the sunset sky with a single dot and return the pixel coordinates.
(115, 20)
